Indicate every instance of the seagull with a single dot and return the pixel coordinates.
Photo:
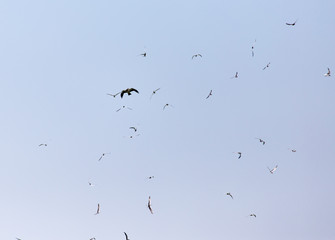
(328, 73)
(91, 184)
(92, 238)
(261, 141)
(252, 51)
(123, 107)
(98, 210)
(274, 169)
(126, 236)
(149, 205)
(229, 194)
(268, 65)
(113, 95)
(151, 177)
(236, 75)
(166, 105)
(154, 92)
(252, 215)
(196, 55)
(135, 135)
(293, 150)
(240, 155)
(292, 24)
(43, 144)
(210, 94)
(135, 129)
(103, 156)
(143, 54)
(128, 90)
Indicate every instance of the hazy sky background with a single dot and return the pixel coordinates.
(59, 59)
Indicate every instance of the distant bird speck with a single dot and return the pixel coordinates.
(252, 215)
(273, 169)
(292, 24)
(126, 236)
(154, 92)
(91, 184)
(98, 210)
(143, 54)
(267, 65)
(43, 144)
(229, 194)
(167, 105)
(210, 94)
(328, 73)
(134, 128)
(123, 108)
(196, 55)
(102, 156)
(236, 75)
(113, 95)
(149, 205)
(151, 177)
(261, 141)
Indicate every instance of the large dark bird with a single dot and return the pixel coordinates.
(128, 90)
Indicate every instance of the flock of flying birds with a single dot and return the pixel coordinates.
(129, 92)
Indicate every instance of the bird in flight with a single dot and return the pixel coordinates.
(328, 73)
(252, 215)
(91, 184)
(128, 90)
(210, 94)
(273, 170)
(229, 194)
(154, 92)
(196, 55)
(43, 144)
(98, 210)
(143, 54)
(292, 150)
(126, 235)
(113, 95)
(166, 105)
(236, 75)
(240, 155)
(292, 24)
(151, 177)
(149, 205)
(123, 108)
(267, 65)
(261, 140)
(103, 156)
(134, 128)
(92, 238)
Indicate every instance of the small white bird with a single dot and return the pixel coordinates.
(123, 108)
(196, 55)
(229, 194)
(154, 92)
(167, 105)
(91, 184)
(236, 75)
(273, 170)
(113, 95)
(328, 73)
(102, 156)
(43, 144)
(252, 215)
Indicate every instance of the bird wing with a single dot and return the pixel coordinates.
(200, 55)
(133, 89)
(126, 235)
(123, 92)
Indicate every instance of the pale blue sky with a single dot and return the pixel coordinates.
(59, 59)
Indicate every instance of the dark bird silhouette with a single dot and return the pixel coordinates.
(126, 235)
(252, 215)
(252, 51)
(240, 155)
(261, 141)
(273, 169)
(113, 95)
(90, 184)
(166, 105)
(292, 150)
(134, 128)
(229, 194)
(236, 75)
(92, 238)
(292, 24)
(210, 94)
(154, 92)
(267, 65)
(143, 54)
(43, 144)
(151, 177)
(328, 73)
(123, 108)
(103, 156)
(149, 205)
(128, 90)
(98, 210)
(196, 55)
